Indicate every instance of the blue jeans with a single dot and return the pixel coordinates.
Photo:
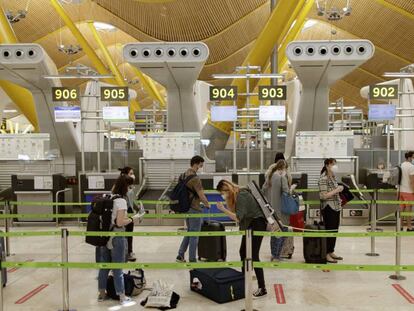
(276, 244)
(193, 225)
(117, 254)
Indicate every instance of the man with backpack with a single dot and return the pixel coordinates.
(407, 188)
(189, 195)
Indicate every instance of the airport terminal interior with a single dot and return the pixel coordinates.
(206, 155)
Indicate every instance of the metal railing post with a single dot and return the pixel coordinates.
(248, 273)
(65, 271)
(397, 275)
(373, 224)
(6, 229)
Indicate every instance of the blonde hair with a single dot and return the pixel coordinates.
(278, 166)
(233, 190)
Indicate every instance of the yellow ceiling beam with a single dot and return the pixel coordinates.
(396, 9)
(21, 97)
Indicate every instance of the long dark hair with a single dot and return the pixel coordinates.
(279, 156)
(125, 170)
(327, 162)
(122, 184)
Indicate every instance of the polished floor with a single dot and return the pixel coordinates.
(40, 289)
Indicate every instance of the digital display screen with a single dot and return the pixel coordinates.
(116, 113)
(272, 113)
(381, 112)
(223, 113)
(67, 114)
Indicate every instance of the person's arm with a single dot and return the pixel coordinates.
(412, 178)
(121, 214)
(198, 188)
(226, 211)
(285, 186)
(323, 189)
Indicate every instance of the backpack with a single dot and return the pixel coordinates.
(134, 282)
(100, 219)
(180, 201)
(395, 176)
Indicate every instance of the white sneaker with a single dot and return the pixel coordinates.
(126, 301)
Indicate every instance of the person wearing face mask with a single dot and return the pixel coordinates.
(275, 184)
(406, 188)
(197, 196)
(330, 204)
(129, 171)
(242, 207)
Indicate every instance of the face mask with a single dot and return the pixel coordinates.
(334, 168)
(200, 169)
(132, 176)
(224, 196)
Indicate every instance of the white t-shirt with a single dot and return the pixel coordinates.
(407, 171)
(119, 205)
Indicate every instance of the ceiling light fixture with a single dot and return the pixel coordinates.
(9, 111)
(70, 49)
(104, 26)
(333, 13)
(14, 18)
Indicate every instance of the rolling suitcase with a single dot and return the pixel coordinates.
(220, 285)
(212, 248)
(314, 248)
(3, 258)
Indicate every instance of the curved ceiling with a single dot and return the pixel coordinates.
(228, 27)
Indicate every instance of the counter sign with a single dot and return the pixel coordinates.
(223, 93)
(64, 94)
(272, 92)
(383, 92)
(114, 93)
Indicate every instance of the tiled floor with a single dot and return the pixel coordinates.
(303, 290)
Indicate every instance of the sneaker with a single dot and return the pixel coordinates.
(131, 257)
(102, 298)
(260, 292)
(330, 259)
(336, 257)
(125, 301)
(275, 259)
(410, 229)
(180, 259)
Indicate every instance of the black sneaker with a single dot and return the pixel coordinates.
(410, 230)
(180, 259)
(260, 292)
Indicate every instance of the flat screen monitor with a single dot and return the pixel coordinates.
(67, 114)
(381, 112)
(272, 113)
(116, 113)
(223, 113)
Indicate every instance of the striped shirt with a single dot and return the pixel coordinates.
(327, 184)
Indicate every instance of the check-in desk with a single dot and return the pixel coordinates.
(38, 188)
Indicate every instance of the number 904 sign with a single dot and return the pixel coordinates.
(223, 93)
(383, 92)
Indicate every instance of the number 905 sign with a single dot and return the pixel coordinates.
(383, 92)
(114, 93)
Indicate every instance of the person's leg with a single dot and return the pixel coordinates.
(402, 209)
(118, 255)
(184, 243)
(130, 228)
(273, 246)
(242, 251)
(329, 225)
(336, 219)
(258, 225)
(409, 218)
(194, 226)
(102, 254)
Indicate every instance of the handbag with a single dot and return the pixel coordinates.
(345, 195)
(290, 202)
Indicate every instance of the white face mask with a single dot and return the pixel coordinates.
(224, 196)
(132, 176)
(334, 169)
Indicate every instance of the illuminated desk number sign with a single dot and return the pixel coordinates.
(223, 93)
(114, 93)
(65, 94)
(272, 92)
(383, 92)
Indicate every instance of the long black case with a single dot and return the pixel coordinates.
(3, 259)
(220, 285)
(212, 248)
(314, 248)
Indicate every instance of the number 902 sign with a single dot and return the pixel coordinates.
(223, 93)
(383, 92)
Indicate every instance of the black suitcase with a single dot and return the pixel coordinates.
(212, 248)
(314, 248)
(3, 259)
(220, 285)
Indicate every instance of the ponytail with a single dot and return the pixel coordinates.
(326, 163)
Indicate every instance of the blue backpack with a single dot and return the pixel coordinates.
(180, 201)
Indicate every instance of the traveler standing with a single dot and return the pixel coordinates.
(330, 204)
(276, 183)
(242, 207)
(197, 196)
(115, 249)
(129, 171)
(407, 188)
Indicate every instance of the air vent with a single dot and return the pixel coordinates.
(184, 52)
(31, 53)
(336, 50)
(146, 52)
(171, 52)
(297, 51)
(349, 50)
(361, 50)
(196, 52)
(19, 53)
(310, 50)
(133, 53)
(158, 52)
(323, 50)
(6, 54)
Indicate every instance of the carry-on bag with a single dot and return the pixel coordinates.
(3, 259)
(220, 285)
(212, 248)
(314, 248)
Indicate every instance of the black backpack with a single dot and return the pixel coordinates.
(180, 201)
(134, 282)
(100, 219)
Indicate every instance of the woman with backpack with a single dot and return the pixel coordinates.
(330, 204)
(242, 207)
(116, 248)
(276, 183)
